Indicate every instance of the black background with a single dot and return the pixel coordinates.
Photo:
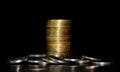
(94, 30)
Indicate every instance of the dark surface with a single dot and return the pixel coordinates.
(56, 68)
(93, 32)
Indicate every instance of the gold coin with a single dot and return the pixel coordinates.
(58, 37)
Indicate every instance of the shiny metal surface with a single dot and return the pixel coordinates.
(39, 62)
(33, 68)
(74, 68)
(16, 60)
(82, 62)
(102, 63)
(90, 58)
(72, 60)
(36, 55)
(15, 68)
(91, 68)
(58, 37)
(57, 58)
(48, 60)
(57, 68)
(36, 63)
(35, 58)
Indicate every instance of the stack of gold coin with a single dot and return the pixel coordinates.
(58, 37)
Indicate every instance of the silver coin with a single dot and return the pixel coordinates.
(83, 61)
(16, 60)
(72, 60)
(36, 55)
(102, 63)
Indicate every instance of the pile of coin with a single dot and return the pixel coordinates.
(44, 62)
(58, 37)
(57, 58)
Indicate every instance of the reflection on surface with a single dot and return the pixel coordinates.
(56, 68)
(15, 68)
(41, 63)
